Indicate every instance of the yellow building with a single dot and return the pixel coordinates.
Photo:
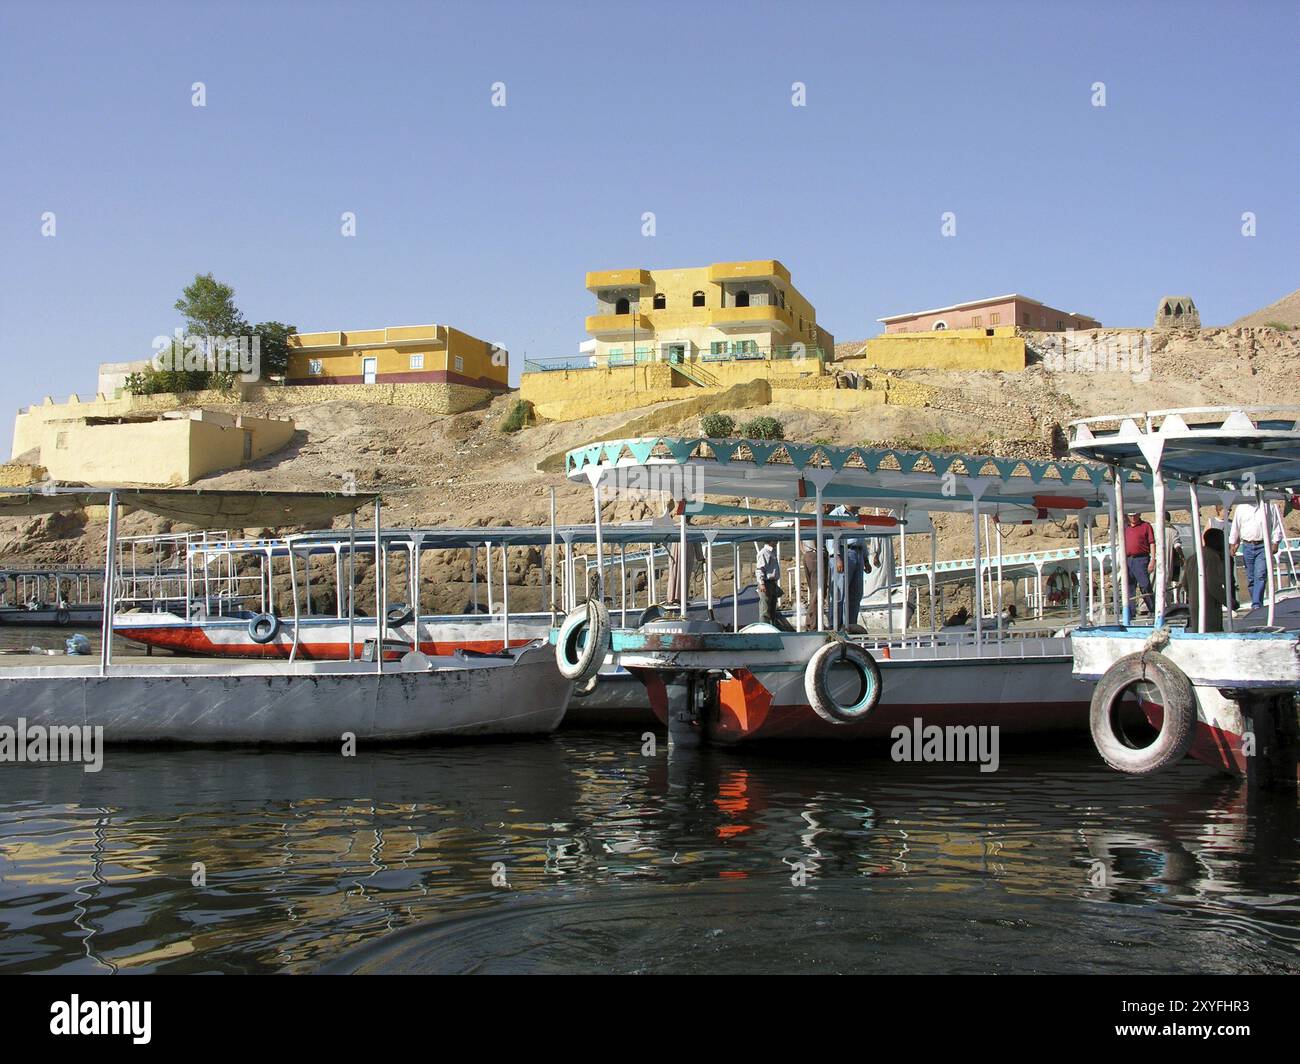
(729, 311)
(410, 354)
(175, 447)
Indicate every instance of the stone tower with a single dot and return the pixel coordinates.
(1177, 312)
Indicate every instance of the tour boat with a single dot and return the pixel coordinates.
(1228, 698)
(761, 682)
(141, 700)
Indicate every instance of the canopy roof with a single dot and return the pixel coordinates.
(886, 477)
(201, 507)
(1220, 446)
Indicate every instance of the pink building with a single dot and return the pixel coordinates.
(998, 312)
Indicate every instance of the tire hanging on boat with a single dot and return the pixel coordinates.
(1174, 692)
(263, 628)
(582, 642)
(817, 685)
(399, 613)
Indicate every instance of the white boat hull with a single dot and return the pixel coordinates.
(299, 702)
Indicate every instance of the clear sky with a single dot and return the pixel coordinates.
(487, 217)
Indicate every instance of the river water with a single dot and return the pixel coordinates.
(585, 851)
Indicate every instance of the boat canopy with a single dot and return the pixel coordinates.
(1011, 489)
(1222, 447)
(201, 507)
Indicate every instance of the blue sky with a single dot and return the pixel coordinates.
(487, 218)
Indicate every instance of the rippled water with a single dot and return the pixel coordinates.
(616, 861)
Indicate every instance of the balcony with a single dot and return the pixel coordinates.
(618, 326)
(603, 279)
(756, 270)
(778, 319)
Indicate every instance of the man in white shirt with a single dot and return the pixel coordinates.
(1247, 531)
(767, 571)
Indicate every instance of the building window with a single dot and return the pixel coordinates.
(742, 298)
(697, 300)
(660, 301)
(615, 352)
(61, 441)
(978, 319)
(718, 347)
(1060, 326)
(994, 318)
(460, 364)
(621, 306)
(417, 361)
(314, 367)
(1026, 319)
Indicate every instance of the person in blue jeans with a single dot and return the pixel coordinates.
(1139, 546)
(848, 572)
(1249, 531)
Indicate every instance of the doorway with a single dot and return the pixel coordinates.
(369, 370)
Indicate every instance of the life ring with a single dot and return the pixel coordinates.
(817, 685)
(62, 617)
(399, 613)
(263, 628)
(1174, 692)
(583, 642)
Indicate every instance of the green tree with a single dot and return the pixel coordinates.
(274, 339)
(208, 307)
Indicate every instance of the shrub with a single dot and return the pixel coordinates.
(763, 428)
(1281, 325)
(520, 416)
(718, 426)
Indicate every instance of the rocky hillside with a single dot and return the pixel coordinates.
(1286, 311)
(464, 470)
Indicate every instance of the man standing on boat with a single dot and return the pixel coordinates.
(1247, 531)
(1139, 546)
(768, 573)
(848, 572)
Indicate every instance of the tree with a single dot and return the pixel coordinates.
(209, 308)
(274, 340)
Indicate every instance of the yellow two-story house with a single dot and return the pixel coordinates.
(724, 312)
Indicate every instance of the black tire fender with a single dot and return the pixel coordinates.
(263, 628)
(583, 642)
(399, 613)
(1175, 694)
(817, 686)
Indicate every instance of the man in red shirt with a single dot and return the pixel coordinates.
(1139, 546)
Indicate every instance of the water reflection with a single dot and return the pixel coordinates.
(825, 859)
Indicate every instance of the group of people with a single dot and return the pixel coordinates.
(1221, 541)
(847, 567)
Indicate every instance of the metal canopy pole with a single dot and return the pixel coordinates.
(1158, 501)
(821, 563)
(352, 585)
(109, 596)
(1200, 557)
(902, 561)
(1120, 550)
(735, 587)
(553, 550)
(934, 561)
(798, 570)
(379, 591)
(505, 596)
(1270, 570)
(979, 575)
